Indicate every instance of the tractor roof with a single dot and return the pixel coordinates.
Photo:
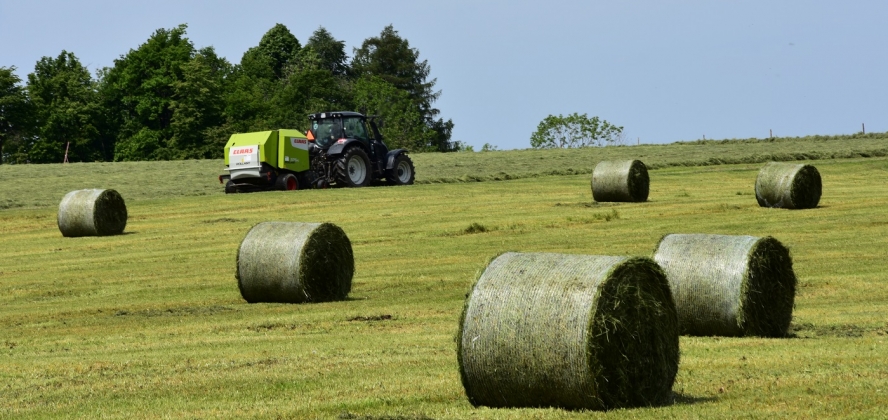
(334, 114)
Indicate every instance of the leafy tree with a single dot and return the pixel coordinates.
(139, 93)
(308, 88)
(66, 111)
(198, 105)
(14, 111)
(330, 51)
(391, 58)
(255, 92)
(277, 49)
(574, 130)
(403, 126)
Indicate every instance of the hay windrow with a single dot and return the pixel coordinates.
(620, 181)
(569, 331)
(729, 285)
(92, 212)
(295, 263)
(788, 185)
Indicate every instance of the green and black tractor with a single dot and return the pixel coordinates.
(340, 148)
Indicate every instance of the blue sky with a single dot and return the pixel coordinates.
(665, 70)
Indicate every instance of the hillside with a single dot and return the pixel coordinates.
(151, 323)
(44, 185)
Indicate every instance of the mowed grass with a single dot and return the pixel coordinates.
(150, 324)
(28, 186)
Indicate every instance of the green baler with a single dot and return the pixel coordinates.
(261, 160)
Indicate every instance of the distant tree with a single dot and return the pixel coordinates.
(391, 58)
(308, 87)
(66, 111)
(256, 93)
(198, 105)
(139, 93)
(462, 146)
(277, 49)
(489, 147)
(15, 111)
(403, 125)
(574, 130)
(330, 51)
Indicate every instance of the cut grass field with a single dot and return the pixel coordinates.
(39, 185)
(151, 324)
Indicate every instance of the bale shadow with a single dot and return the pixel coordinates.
(685, 399)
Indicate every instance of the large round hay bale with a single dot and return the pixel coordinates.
(295, 263)
(729, 285)
(569, 331)
(620, 181)
(788, 186)
(92, 212)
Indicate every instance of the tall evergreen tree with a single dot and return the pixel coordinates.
(330, 51)
(66, 111)
(391, 58)
(15, 112)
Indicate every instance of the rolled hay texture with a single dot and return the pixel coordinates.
(93, 212)
(788, 186)
(291, 262)
(729, 285)
(569, 331)
(624, 181)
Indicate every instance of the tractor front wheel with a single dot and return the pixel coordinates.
(402, 173)
(353, 168)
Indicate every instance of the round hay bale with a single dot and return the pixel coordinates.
(788, 186)
(92, 212)
(729, 285)
(623, 181)
(569, 331)
(295, 263)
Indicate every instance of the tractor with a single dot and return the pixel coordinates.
(337, 150)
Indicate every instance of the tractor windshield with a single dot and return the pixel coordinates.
(326, 131)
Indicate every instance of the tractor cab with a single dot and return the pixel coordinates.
(335, 132)
(329, 127)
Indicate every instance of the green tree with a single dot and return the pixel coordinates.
(330, 51)
(403, 126)
(391, 58)
(66, 111)
(139, 93)
(260, 86)
(277, 49)
(574, 130)
(309, 87)
(198, 107)
(15, 112)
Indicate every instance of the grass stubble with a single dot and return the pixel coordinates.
(152, 322)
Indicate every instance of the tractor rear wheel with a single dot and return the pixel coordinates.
(287, 182)
(402, 172)
(353, 168)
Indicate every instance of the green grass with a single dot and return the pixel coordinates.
(27, 186)
(150, 324)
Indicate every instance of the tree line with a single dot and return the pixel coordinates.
(169, 100)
